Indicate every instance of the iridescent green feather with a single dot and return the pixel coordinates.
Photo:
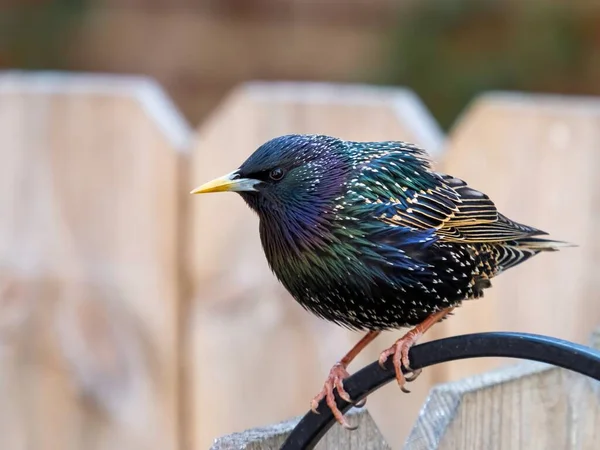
(398, 185)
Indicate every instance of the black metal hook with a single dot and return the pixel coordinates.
(557, 352)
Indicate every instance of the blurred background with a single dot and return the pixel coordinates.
(445, 50)
(132, 316)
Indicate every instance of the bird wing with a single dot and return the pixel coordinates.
(401, 189)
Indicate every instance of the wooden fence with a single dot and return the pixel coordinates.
(527, 406)
(124, 301)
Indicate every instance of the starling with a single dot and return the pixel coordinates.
(368, 236)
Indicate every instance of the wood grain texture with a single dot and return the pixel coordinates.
(537, 157)
(252, 344)
(366, 437)
(88, 262)
(528, 405)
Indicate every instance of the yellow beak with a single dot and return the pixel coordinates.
(227, 183)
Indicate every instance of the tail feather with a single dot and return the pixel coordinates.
(541, 245)
(515, 252)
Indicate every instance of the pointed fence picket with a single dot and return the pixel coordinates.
(240, 309)
(537, 157)
(89, 280)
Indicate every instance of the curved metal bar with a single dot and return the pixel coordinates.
(568, 355)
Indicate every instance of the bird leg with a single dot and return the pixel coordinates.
(335, 380)
(402, 346)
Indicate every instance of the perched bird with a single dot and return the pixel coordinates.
(368, 236)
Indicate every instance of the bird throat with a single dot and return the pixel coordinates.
(289, 236)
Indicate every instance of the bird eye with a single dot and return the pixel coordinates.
(276, 174)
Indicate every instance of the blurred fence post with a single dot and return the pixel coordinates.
(89, 205)
(537, 157)
(251, 341)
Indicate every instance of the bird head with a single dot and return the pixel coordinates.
(293, 174)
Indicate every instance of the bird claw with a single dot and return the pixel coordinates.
(399, 351)
(361, 403)
(413, 376)
(335, 380)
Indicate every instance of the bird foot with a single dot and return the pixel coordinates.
(335, 380)
(399, 350)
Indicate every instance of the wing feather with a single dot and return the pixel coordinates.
(404, 191)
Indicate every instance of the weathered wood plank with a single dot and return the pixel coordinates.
(529, 406)
(526, 406)
(89, 254)
(251, 342)
(537, 157)
(366, 437)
